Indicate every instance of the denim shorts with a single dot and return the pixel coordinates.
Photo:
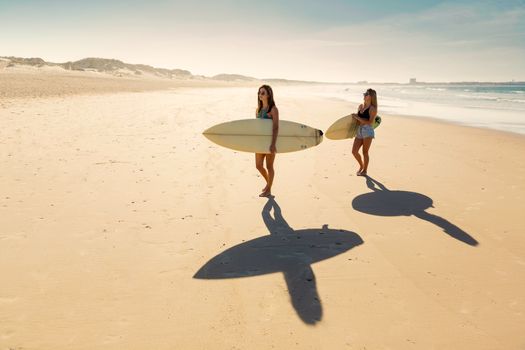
(365, 131)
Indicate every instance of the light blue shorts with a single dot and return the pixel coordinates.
(365, 131)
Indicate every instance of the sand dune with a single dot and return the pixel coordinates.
(23, 81)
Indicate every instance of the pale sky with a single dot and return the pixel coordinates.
(330, 40)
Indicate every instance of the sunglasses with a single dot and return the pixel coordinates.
(366, 94)
(262, 93)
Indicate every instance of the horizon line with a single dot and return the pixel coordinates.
(362, 82)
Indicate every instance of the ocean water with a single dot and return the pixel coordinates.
(494, 106)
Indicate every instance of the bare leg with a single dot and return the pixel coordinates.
(355, 151)
(259, 164)
(270, 158)
(366, 147)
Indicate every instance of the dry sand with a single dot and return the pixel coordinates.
(124, 228)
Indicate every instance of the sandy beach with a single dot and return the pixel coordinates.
(124, 228)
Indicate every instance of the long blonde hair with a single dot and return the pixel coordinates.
(373, 97)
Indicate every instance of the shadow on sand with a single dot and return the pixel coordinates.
(285, 250)
(384, 202)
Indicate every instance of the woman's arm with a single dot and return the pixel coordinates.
(360, 120)
(372, 112)
(356, 115)
(275, 128)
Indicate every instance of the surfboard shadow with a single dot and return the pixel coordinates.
(384, 202)
(285, 250)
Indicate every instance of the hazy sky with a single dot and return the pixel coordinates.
(329, 40)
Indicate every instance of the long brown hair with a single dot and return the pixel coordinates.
(373, 97)
(271, 102)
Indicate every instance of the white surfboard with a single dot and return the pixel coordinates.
(346, 128)
(255, 136)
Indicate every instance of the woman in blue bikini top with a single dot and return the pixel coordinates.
(266, 109)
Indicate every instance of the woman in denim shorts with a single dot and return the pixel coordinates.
(366, 115)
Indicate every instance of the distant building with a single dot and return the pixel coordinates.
(412, 81)
(362, 82)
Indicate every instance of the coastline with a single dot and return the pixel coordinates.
(492, 110)
(458, 124)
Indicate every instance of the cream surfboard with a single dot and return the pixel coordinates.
(346, 128)
(255, 136)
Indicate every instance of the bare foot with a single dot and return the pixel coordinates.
(362, 173)
(266, 193)
(265, 189)
(359, 172)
